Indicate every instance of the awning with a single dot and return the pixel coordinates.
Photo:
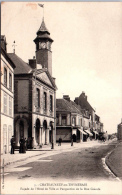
(96, 132)
(88, 131)
(82, 131)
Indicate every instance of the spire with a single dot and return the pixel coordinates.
(43, 28)
(43, 32)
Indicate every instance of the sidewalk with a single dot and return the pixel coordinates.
(7, 159)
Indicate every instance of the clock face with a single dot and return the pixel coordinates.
(42, 45)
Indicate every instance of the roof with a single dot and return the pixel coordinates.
(21, 66)
(5, 54)
(40, 71)
(43, 32)
(82, 101)
(63, 105)
(43, 27)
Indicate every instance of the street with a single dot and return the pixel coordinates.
(81, 163)
(75, 165)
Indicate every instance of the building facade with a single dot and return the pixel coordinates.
(35, 94)
(119, 131)
(7, 98)
(69, 121)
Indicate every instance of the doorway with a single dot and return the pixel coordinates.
(37, 131)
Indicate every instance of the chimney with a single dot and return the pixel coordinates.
(83, 93)
(3, 42)
(66, 97)
(76, 100)
(32, 63)
(54, 79)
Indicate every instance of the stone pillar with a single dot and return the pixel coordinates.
(40, 135)
(47, 136)
(33, 135)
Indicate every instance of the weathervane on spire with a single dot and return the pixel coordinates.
(42, 5)
(14, 46)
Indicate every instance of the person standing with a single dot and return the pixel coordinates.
(24, 145)
(12, 145)
(21, 145)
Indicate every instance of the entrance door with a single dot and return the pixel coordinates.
(45, 131)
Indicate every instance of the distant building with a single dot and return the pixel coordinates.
(35, 94)
(85, 105)
(69, 121)
(7, 98)
(119, 131)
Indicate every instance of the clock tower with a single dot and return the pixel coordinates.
(43, 43)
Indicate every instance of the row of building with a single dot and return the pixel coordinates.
(29, 107)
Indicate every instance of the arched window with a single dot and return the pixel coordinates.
(37, 97)
(45, 100)
(51, 103)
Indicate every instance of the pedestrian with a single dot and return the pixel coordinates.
(26, 142)
(72, 142)
(59, 141)
(21, 145)
(12, 145)
(24, 146)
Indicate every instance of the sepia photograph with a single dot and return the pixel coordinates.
(61, 98)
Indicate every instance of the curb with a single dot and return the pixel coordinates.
(108, 164)
(20, 160)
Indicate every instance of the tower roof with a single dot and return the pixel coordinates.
(43, 28)
(43, 32)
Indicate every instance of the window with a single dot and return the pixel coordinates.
(10, 81)
(37, 97)
(79, 122)
(51, 103)
(10, 106)
(63, 120)
(5, 103)
(74, 121)
(5, 77)
(45, 100)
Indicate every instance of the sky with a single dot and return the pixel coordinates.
(86, 52)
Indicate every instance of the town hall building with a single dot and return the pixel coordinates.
(35, 94)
